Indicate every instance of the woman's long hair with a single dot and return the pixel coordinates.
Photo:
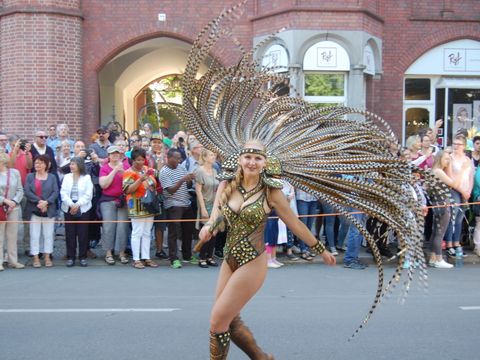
(232, 185)
(203, 156)
(80, 164)
(437, 160)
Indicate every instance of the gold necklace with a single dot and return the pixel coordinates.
(248, 194)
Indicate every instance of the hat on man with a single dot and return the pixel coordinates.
(112, 149)
(103, 128)
(156, 136)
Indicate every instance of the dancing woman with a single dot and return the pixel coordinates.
(264, 137)
(245, 203)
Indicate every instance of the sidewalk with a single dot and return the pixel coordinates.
(367, 258)
(59, 252)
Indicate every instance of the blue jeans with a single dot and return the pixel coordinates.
(290, 240)
(354, 240)
(306, 208)
(342, 230)
(454, 229)
(270, 235)
(329, 224)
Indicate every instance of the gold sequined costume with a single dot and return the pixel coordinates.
(245, 232)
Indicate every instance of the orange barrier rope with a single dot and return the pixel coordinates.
(203, 220)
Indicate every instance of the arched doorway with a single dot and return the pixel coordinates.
(150, 105)
(128, 83)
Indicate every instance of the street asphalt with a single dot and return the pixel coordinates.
(304, 311)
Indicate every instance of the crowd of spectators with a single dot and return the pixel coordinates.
(149, 187)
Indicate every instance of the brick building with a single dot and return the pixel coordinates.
(85, 62)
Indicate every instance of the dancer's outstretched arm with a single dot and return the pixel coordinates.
(207, 230)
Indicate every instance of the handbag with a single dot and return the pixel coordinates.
(3, 213)
(39, 213)
(151, 202)
(4, 208)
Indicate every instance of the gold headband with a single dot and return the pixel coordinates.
(253, 151)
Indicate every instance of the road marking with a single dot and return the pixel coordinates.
(470, 308)
(86, 310)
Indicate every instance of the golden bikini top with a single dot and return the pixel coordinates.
(248, 219)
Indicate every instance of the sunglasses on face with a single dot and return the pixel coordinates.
(42, 136)
(101, 132)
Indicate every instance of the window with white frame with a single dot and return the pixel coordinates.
(325, 88)
(326, 65)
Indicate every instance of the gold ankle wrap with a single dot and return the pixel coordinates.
(219, 345)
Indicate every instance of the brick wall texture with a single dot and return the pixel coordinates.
(52, 50)
(41, 68)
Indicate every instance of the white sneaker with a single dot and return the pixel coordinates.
(334, 251)
(476, 251)
(272, 265)
(275, 261)
(1, 267)
(442, 264)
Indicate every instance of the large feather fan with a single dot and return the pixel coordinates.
(226, 106)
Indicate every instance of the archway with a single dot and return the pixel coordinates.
(124, 77)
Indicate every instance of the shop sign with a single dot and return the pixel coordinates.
(457, 59)
(326, 55)
(276, 58)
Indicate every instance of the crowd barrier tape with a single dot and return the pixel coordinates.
(201, 220)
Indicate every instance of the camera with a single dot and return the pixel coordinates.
(23, 143)
(181, 140)
(88, 156)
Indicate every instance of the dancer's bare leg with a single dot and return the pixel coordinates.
(223, 276)
(235, 290)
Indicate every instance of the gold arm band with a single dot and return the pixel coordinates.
(318, 248)
(213, 226)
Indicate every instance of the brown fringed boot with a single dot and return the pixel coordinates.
(243, 338)
(219, 345)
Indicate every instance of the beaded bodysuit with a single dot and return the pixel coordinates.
(245, 232)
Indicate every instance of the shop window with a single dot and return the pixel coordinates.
(463, 111)
(325, 88)
(416, 119)
(417, 89)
